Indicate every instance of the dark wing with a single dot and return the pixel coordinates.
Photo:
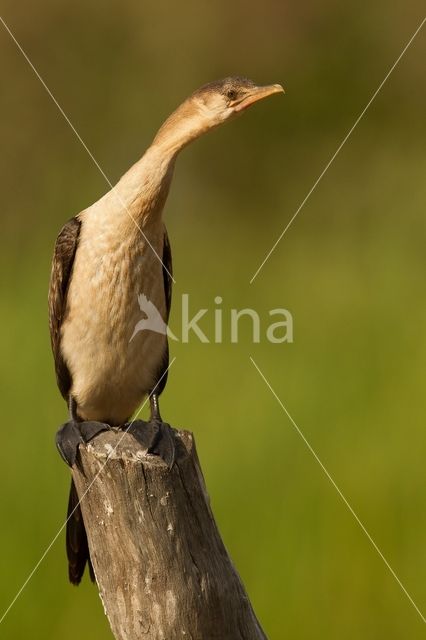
(168, 281)
(167, 273)
(63, 260)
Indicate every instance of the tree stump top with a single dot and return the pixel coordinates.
(160, 564)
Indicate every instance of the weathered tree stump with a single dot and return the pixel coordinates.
(160, 564)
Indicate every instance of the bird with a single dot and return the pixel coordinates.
(107, 259)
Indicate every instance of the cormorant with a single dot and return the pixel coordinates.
(105, 258)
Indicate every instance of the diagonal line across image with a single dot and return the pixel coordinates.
(80, 139)
(58, 533)
(336, 153)
(336, 487)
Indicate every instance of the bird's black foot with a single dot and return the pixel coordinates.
(73, 433)
(156, 437)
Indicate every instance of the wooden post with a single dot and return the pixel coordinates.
(160, 564)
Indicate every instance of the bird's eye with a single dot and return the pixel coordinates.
(231, 94)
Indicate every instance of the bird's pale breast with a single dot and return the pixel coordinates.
(111, 372)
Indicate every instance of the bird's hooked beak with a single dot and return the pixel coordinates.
(256, 94)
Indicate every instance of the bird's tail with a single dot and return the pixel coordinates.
(76, 540)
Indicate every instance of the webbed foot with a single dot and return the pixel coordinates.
(73, 433)
(156, 437)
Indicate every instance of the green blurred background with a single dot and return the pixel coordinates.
(351, 270)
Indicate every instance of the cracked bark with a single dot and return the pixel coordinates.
(160, 564)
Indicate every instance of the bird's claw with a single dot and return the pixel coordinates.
(164, 444)
(72, 434)
(156, 437)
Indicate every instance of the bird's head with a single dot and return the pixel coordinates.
(219, 101)
(210, 106)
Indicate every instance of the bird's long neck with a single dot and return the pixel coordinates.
(145, 187)
(182, 127)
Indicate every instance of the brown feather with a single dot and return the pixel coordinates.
(167, 273)
(63, 260)
(168, 282)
